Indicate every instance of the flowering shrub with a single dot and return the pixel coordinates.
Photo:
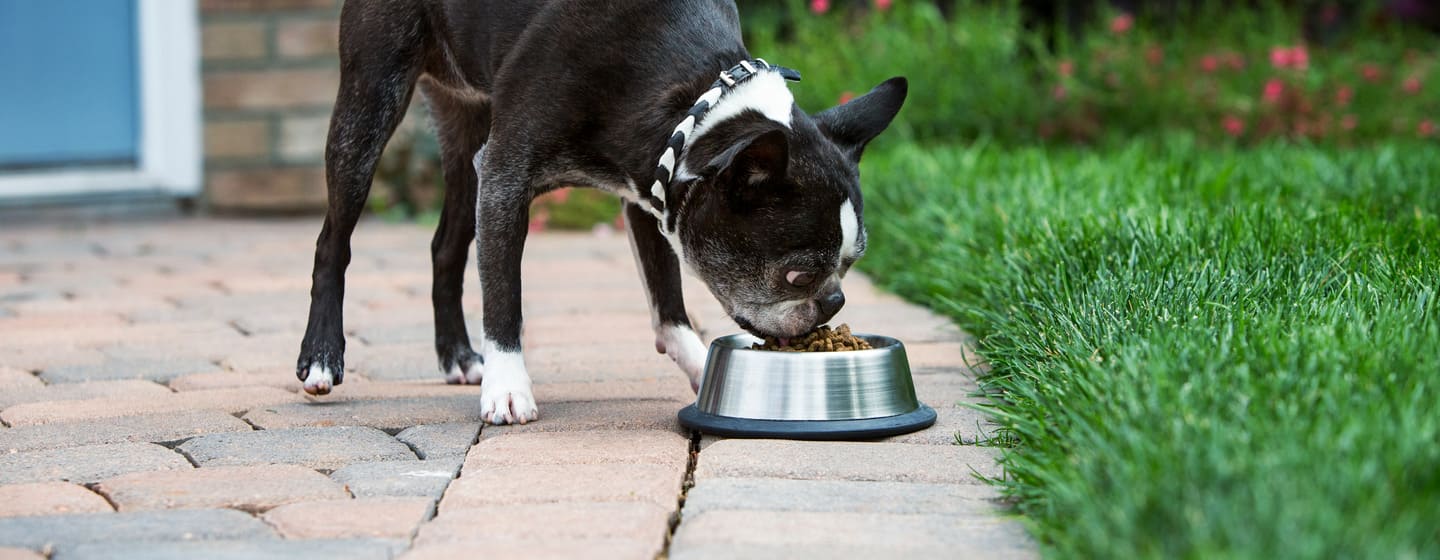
(1241, 76)
(1222, 76)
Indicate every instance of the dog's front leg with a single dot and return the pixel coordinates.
(660, 271)
(502, 220)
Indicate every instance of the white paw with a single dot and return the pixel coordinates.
(683, 346)
(319, 380)
(502, 406)
(469, 376)
(505, 394)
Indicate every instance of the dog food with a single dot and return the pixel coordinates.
(824, 339)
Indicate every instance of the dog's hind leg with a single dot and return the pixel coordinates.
(381, 49)
(462, 125)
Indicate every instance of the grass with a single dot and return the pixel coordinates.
(1197, 352)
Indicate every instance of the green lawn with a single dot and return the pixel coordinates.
(1197, 352)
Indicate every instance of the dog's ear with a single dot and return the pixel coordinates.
(754, 159)
(852, 125)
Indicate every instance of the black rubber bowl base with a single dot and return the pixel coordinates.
(868, 428)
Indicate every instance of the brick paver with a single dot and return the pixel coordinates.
(12, 553)
(578, 448)
(317, 448)
(61, 532)
(366, 549)
(375, 518)
(385, 414)
(433, 441)
(224, 400)
(398, 478)
(15, 379)
(249, 489)
(163, 428)
(89, 463)
(114, 390)
(564, 484)
(641, 521)
(49, 498)
(834, 460)
(163, 378)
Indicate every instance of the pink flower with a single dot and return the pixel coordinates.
(1411, 85)
(1209, 63)
(1348, 122)
(560, 195)
(539, 221)
(1290, 57)
(1273, 90)
(1344, 95)
(882, 5)
(1425, 128)
(1279, 57)
(845, 97)
(1299, 57)
(1059, 92)
(1154, 55)
(1234, 126)
(1234, 61)
(819, 6)
(1066, 68)
(1122, 23)
(1370, 72)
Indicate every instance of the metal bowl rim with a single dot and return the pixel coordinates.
(731, 343)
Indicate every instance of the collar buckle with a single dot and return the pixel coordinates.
(746, 69)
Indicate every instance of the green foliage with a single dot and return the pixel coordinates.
(574, 209)
(966, 76)
(1197, 352)
(1206, 71)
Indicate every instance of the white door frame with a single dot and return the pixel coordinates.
(170, 153)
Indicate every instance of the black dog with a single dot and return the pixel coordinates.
(757, 198)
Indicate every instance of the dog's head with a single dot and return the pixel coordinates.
(772, 216)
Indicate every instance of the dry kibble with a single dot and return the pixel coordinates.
(824, 339)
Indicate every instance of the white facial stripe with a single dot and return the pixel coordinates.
(765, 92)
(849, 231)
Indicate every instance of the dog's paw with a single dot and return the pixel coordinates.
(467, 372)
(683, 346)
(506, 406)
(320, 379)
(505, 394)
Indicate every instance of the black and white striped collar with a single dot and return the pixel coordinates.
(684, 132)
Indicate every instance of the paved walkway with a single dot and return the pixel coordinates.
(150, 409)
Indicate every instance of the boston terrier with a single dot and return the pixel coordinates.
(656, 101)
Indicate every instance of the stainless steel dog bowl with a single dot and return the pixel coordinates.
(807, 395)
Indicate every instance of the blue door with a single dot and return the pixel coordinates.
(69, 84)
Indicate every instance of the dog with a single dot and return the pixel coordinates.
(656, 101)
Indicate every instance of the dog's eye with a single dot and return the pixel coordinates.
(800, 279)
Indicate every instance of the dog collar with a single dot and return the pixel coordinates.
(728, 81)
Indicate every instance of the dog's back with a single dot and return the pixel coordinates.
(469, 43)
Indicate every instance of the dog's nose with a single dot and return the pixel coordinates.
(830, 304)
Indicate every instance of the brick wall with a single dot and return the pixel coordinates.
(270, 72)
